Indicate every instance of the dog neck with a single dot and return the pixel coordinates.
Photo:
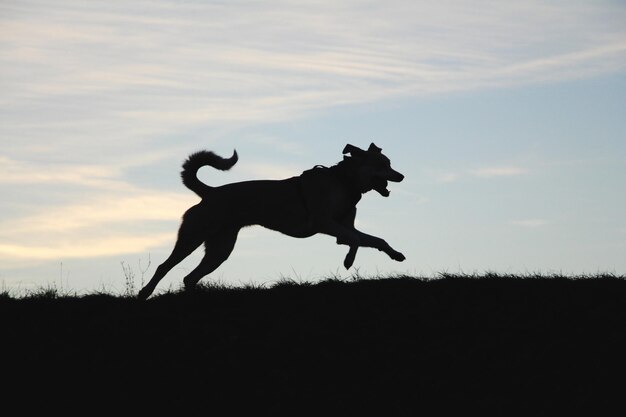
(345, 173)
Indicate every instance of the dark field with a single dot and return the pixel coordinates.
(502, 345)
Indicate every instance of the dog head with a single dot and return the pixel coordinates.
(373, 169)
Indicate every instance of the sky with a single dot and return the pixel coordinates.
(507, 119)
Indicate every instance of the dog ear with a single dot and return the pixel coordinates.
(374, 148)
(352, 150)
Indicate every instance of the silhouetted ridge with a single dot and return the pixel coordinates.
(391, 347)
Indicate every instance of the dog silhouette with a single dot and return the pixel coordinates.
(320, 200)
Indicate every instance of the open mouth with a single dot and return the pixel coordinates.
(380, 185)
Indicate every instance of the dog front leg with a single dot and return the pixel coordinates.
(348, 221)
(349, 260)
(381, 245)
(343, 234)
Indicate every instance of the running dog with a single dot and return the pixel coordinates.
(320, 200)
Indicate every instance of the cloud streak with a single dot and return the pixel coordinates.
(84, 248)
(101, 226)
(502, 171)
(86, 83)
(175, 65)
(487, 172)
(530, 223)
(17, 172)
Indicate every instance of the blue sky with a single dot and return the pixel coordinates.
(507, 119)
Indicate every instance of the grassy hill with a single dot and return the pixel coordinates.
(400, 346)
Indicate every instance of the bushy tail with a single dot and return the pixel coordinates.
(198, 160)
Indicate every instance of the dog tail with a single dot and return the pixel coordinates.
(198, 160)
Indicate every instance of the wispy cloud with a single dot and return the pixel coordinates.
(530, 223)
(270, 171)
(487, 172)
(501, 171)
(102, 211)
(90, 247)
(97, 226)
(87, 84)
(18, 172)
(164, 66)
(273, 143)
(446, 176)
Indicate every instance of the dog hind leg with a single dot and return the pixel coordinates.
(217, 249)
(188, 241)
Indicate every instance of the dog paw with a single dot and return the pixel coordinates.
(397, 256)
